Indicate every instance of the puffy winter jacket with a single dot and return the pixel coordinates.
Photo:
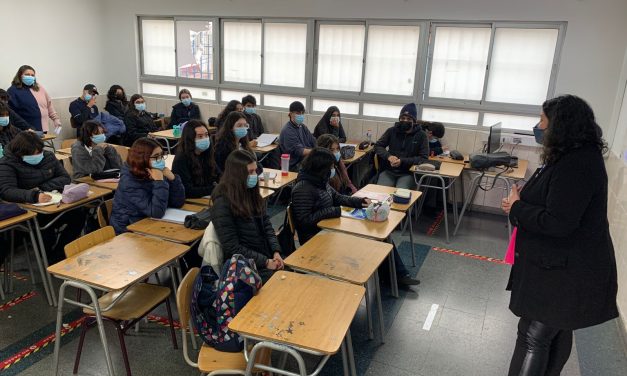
(181, 113)
(20, 181)
(112, 125)
(138, 125)
(412, 148)
(116, 108)
(100, 159)
(136, 199)
(183, 167)
(7, 134)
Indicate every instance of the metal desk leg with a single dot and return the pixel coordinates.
(474, 185)
(379, 306)
(369, 312)
(445, 209)
(453, 188)
(9, 273)
(40, 265)
(393, 281)
(349, 351)
(411, 235)
(345, 359)
(44, 258)
(28, 262)
(508, 189)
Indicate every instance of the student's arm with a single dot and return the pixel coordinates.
(304, 211)
(343, 200)
(153, 205)
(113, 158)
(260, 129)
(174, 118)
(345, 177)
(319, 130)
(176, 198)
(84, 164)
(420, 152)
(342, 135)
(17, 121)
(131, 126)
(195, 113)
(270, 235)
(59, 180)
(291, 144)
(52, 113)
(380, 147)
(79, 113)
(9, 189)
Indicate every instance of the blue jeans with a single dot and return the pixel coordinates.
(398, 180)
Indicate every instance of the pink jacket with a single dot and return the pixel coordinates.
(47, 109)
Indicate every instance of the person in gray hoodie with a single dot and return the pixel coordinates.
(90, 153)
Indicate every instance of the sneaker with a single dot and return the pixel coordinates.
(408, 281)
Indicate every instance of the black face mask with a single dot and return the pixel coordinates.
(403, 126)
(119, 96)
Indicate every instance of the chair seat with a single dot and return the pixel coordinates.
(137, 302)
(210, 359)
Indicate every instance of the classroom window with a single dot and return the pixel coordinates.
(321, 105)
(285, 54)
(340, 57)
(391, 59)
(229, 95)
(201, 92)
(158, 47)
(382, 110)
(159, 89)
(281, 101)
(242, 52)
(194, 52)
(450, 116)
(516, 122)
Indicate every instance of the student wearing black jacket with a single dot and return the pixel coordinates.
(564, 272)
(254, 121)
(185, 110)
(194, 161)
(7, 130)
(240, 217)
(84, 108)
(331, 123)
(138, 121)
(117, 104)
(232, 106)
(233, 135)
(14, 119)
(402, 146)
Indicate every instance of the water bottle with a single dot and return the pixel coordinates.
(285, 164)
(369, 136)
(1, 151)
(176, 130)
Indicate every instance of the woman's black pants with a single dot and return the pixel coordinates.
(540, 349)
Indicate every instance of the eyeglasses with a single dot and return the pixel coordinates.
(159, 158)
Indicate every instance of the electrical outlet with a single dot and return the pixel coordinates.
(518, 139)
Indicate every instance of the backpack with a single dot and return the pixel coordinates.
(286, 237)
(215, 302)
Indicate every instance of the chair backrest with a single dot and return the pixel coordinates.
(290, 221)
(122, 150)
(67, 143)
(87, 241)
(104, 213)
(67, 165)
(376, 162)
(184, 297)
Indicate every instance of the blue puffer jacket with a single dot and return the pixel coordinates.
(136, 199)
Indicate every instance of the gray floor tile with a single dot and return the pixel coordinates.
(466, 303)
(378, 369)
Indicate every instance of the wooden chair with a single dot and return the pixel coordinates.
(104, 213)
(122, 150)
(67, 143)
(138, 301)
(290, 221)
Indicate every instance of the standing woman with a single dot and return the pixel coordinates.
(90, 153)
(31, 101)
(340, 182)
(117, 104)
(233, 135)
(138, 121)
(564, 272)
(194, 161)
(331, 123)
(185, 110)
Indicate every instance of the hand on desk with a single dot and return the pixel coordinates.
(279, 259)
(253, 144)
(365, 202)
(42, 198)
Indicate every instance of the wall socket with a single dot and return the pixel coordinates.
(520, 139)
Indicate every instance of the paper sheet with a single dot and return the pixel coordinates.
(377, 196)
(266, 139)
(175, 215)
(56, 198)
(353, 213)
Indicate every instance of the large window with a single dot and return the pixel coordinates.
(194, 52)
(158, 47)
(242, 51)
(285, 53)
(340, 57)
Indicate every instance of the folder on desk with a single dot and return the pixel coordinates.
(175, 215)
(266, 139)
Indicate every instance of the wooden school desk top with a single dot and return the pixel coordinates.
(119, 262)
(174, 232)
(447, 169)
(92, 182)
(364, 227)
(265, 149)
(415, 195)
(206, 201)
(94, 193)
(17, 219)
(48, 137)
(62, 157)
(340, 256)
(67, 151)
(306, 311)
(275, 184)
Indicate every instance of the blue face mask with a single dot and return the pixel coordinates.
(186, 101)
(250, 110)
(433, 140)
(28, 80)
(299, 119)
(33, 160)
(140, 106)
(337, 155)
(538, 134)
(4, 121)
(332, 173)
(159, 165)
(240, 132)
(98, 138)
(251, 181)
(203, 144)
(87, 97)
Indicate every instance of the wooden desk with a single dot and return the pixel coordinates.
(173, 232)
(94, 194)
(448, 159)
(274, 184)
(48, 140)
(67, 151)
(92, 182)
(375, 188)
(62, 157)
(205, 202)
(368, 229)
(166, 134)
(265, 149)
(447, 169)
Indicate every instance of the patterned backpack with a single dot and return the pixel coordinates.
(216, 301)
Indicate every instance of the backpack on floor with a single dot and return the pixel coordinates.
(216, 301)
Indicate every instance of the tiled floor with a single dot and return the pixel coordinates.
(472, 332)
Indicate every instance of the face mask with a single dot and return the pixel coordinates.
(87, 97)
(299, 119)
(332, 173)
(251, 181)
(538, 134)
(159, 165)
(433, 140)
(98, 138)
(28, 80)
(119, 96)
(202, 144)
(250, 110)
(240, 132)
(4, 121)
(337, 155)
(186, 102)
(403, 126)
(140, 106)
(335, 120)
(33, 159)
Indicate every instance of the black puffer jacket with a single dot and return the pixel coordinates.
(138, 124)
(18, 179)
(411, 148)
(252, 237)
(314, 200)
(181, 113)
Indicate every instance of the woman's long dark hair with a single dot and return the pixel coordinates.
(245, 202)
(327, 141)
(17, 79)
(131, 104)
(111, 94)
(230, 107)
(571, 126)
(225, 134)
(319, 163)
(188, 149)
(326, 118)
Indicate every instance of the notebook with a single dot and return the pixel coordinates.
(266, 139)
(353, 213)
(56, 199)
(175, 215)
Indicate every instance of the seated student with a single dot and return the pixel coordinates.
(233, 135)
(194, 161)
(254, 121)
(313, 200)
(84, 107)
(138, 122)
(147, 188)
(295, 138)
(331, 123)
(117, 104)
(7, 130)
(401, 147)
(14, 119)
(185, 110)
(340, 182)
(240, 217)
(26, 172)
(232, 106)
(90, 153)
(435, 132)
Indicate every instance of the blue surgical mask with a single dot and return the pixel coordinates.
(87, 97)
(140, 106)
(538, 134)
(159, 165)
(240, 132)
(250, 110)
(332, 173)
(337, 155)
(299, 119)
(251, 181)
(4, 121)
(433, 140)
(203, 144)
(33, 160)
(28, 80)
(186, 101)
(98, 138)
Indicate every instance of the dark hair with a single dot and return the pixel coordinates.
(571, 126)
(319, 163)
(138, 159)
(326, 118)
(249, 99)
(25, 143)
(88, 129)
(327, 140)
(17, 80)
(436, 128)
(297, 107)
(111, 93)
(230, 107)
(245, 202)
(187, 147)
(225, 134)
(185, 91)
(131, 106)
(212, 121)
(4, 96)
(4, 109)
